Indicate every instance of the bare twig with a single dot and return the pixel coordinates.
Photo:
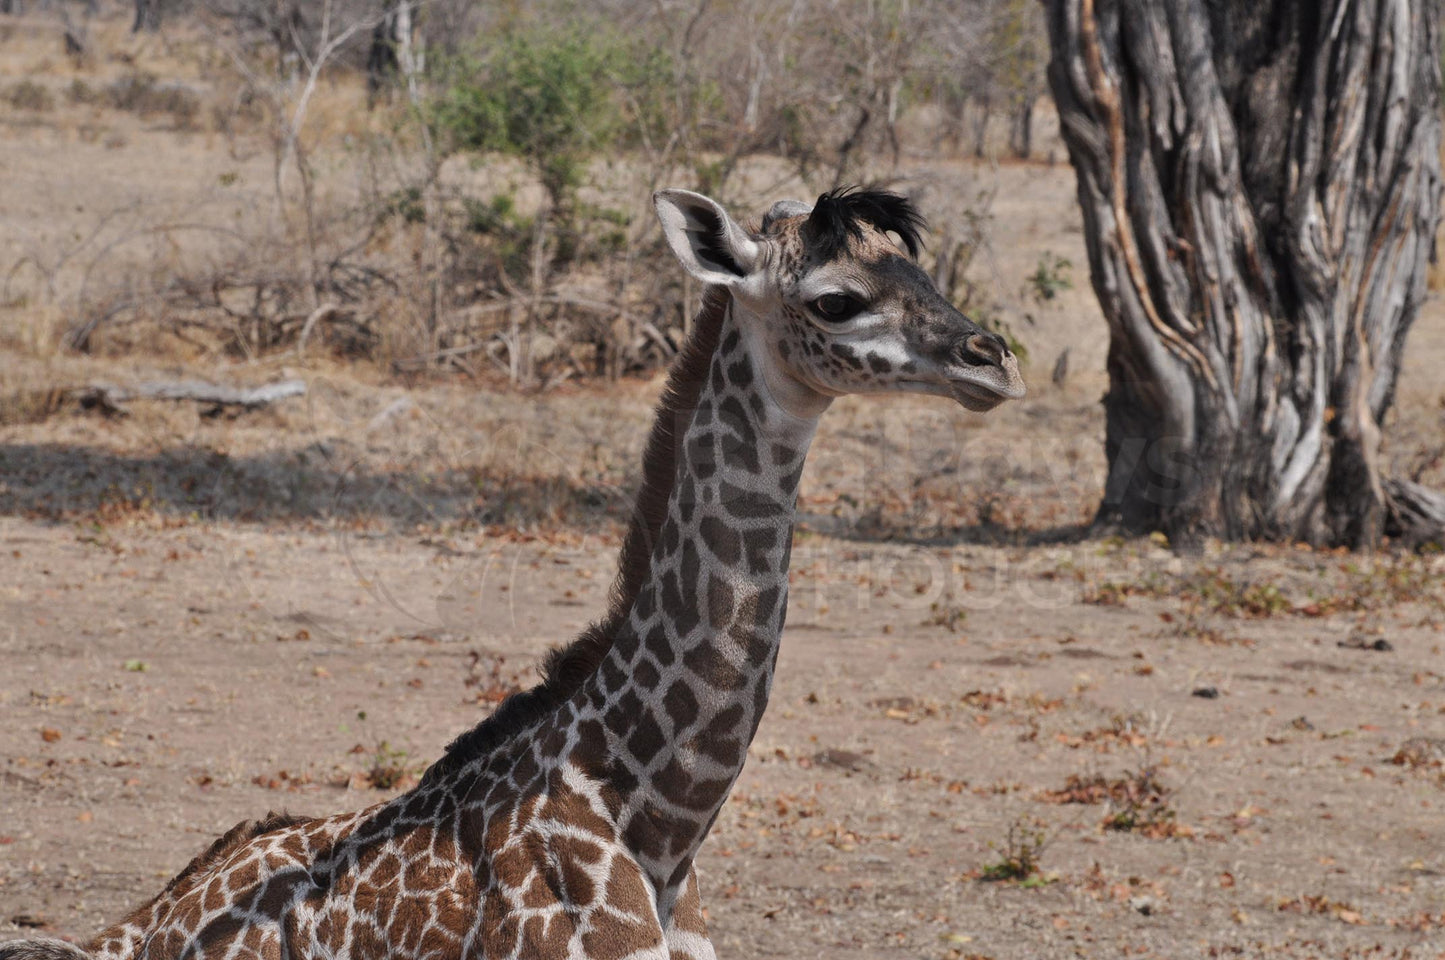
(324, 312)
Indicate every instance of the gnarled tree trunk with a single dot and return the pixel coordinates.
(1260, 182)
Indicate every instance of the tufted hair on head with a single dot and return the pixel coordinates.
(840, 214)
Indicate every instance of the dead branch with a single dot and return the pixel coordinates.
(1416, 512)
(112, 399)
(322, 313)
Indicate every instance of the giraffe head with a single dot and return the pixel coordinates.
(830, 305)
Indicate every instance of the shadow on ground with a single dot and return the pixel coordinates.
(326, 483)
(992, 534)
(317, 483)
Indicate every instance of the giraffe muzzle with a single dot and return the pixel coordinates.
(984, 372)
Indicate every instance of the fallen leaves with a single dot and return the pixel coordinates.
(1095, 789)
(1158, 824)
(1421, 922)
(281, 780)
(984, 699)
(490, 684)
(1322, 906)
(1103, 738)
(1140, 800)
(906, 709)
(1420, 752)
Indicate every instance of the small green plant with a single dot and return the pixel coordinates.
(497, 215)
(950, 616)
(1110, 593)
(1393, 580)
(387, 768)
(1210, 590)
(1220, 593)
(1051, 276)
(405, 203)
(1020, 855)
(1139, 804)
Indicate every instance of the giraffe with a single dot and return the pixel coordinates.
(567, 823)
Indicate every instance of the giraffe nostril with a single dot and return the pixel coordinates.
(983, 349)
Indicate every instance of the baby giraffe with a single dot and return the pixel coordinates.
(566, 824)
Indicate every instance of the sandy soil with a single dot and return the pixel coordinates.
(204, 620)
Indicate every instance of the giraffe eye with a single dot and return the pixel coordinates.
(836, 307)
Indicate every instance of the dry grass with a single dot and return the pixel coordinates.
(169, 242)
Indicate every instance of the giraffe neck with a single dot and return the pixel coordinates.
(682, 690)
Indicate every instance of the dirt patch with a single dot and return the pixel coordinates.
(170, 670)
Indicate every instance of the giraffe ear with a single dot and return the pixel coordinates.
(711, 246)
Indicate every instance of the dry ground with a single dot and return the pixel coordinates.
(192, 638)
(202, 619)
(207, 619)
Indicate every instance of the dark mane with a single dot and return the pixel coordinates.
(839, 214)
(566, 668)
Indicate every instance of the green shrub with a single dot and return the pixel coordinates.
(554, 99)
(544, 96)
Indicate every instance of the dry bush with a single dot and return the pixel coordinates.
(29, 95)
(147, 95)
(491, 210)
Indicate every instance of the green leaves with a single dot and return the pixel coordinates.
(542, 95)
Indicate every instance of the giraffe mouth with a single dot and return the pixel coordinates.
(978, 398)
(981, 387)
(979, 391)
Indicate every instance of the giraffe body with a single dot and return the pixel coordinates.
(566, 825)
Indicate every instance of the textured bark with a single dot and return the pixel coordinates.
(147, 16)
(381, 60)
(1260, 182)
(395, 50)
(1021, 129)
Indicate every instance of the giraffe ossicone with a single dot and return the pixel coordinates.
(566, 824)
